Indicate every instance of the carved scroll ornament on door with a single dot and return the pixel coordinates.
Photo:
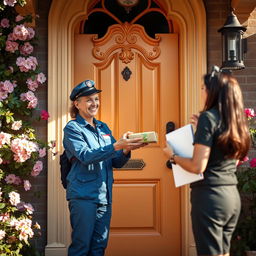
(124, 40)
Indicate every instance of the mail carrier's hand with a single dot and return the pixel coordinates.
(128, 144)
(141, 144)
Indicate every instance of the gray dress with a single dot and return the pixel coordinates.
(215, 201)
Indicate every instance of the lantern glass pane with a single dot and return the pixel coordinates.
(233, 46)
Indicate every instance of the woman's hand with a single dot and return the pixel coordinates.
(194, 119)
(168, 151)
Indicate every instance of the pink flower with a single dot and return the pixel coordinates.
(27, 185)
(21, 63)
(19, 18)
(3, 95)
(249, 112)
(4, 217)
(29, 96)
(23, 226)
(32, 85)
(22, 149)
(26, 49)
(253, 162)
(28, 64)
(10, 2)
(31, 33)
(41, 78)
(33, 62)
(2, 234)
(20, 207)
(7, 86)
(14, 198)
(17, 181)
(5, 23)
(242, 161)
(11, 37)
(42, 152)
(16, 125)
(44, 115)
(33, 103)
(246, 158)
(10, 179)
(29, 208)
(5, 138)
(20, 32)
(25, 207)
(13, 179)
(11, 46)
(38, 167)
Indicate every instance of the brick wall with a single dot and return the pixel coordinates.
(38, 194)
(217, 11)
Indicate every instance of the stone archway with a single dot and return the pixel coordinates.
(189, 15)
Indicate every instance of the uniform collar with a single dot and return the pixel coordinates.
(82, 121)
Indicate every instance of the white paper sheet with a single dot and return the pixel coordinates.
(181, 141)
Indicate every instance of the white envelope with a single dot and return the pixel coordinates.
(181, 141)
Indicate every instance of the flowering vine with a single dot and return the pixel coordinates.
(251, 117)
(21, 153)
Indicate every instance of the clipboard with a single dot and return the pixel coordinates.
(181, 141)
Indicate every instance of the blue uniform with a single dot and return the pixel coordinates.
(89, 184)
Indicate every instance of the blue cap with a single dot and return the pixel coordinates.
(83, 89)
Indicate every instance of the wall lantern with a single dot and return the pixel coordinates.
(232, 43)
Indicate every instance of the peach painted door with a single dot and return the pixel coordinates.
(146, 205)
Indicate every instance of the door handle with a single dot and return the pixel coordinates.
(170, 126)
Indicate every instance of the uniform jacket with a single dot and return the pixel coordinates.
(93, 151)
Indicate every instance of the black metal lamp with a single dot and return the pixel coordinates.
(232, 43)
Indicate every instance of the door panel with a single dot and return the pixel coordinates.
(146, 205)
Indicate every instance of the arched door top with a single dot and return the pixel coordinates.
(103, 13)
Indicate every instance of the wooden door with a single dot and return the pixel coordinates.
(146, 205)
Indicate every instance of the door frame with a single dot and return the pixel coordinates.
(190, 18)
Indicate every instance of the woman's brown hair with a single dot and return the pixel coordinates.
(223, 92)
(73, 111)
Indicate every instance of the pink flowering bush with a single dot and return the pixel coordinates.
(251, 117)
(21, 153)
(244, 236)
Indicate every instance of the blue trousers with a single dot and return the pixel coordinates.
(90, 228)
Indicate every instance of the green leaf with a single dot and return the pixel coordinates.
(2, 205)
(22, 2)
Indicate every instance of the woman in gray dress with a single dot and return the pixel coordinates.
(221, 140)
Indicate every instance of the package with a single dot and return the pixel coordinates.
(147, 137)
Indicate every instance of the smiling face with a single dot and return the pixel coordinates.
(88, 106)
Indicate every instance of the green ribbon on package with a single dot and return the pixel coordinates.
(145, 137)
